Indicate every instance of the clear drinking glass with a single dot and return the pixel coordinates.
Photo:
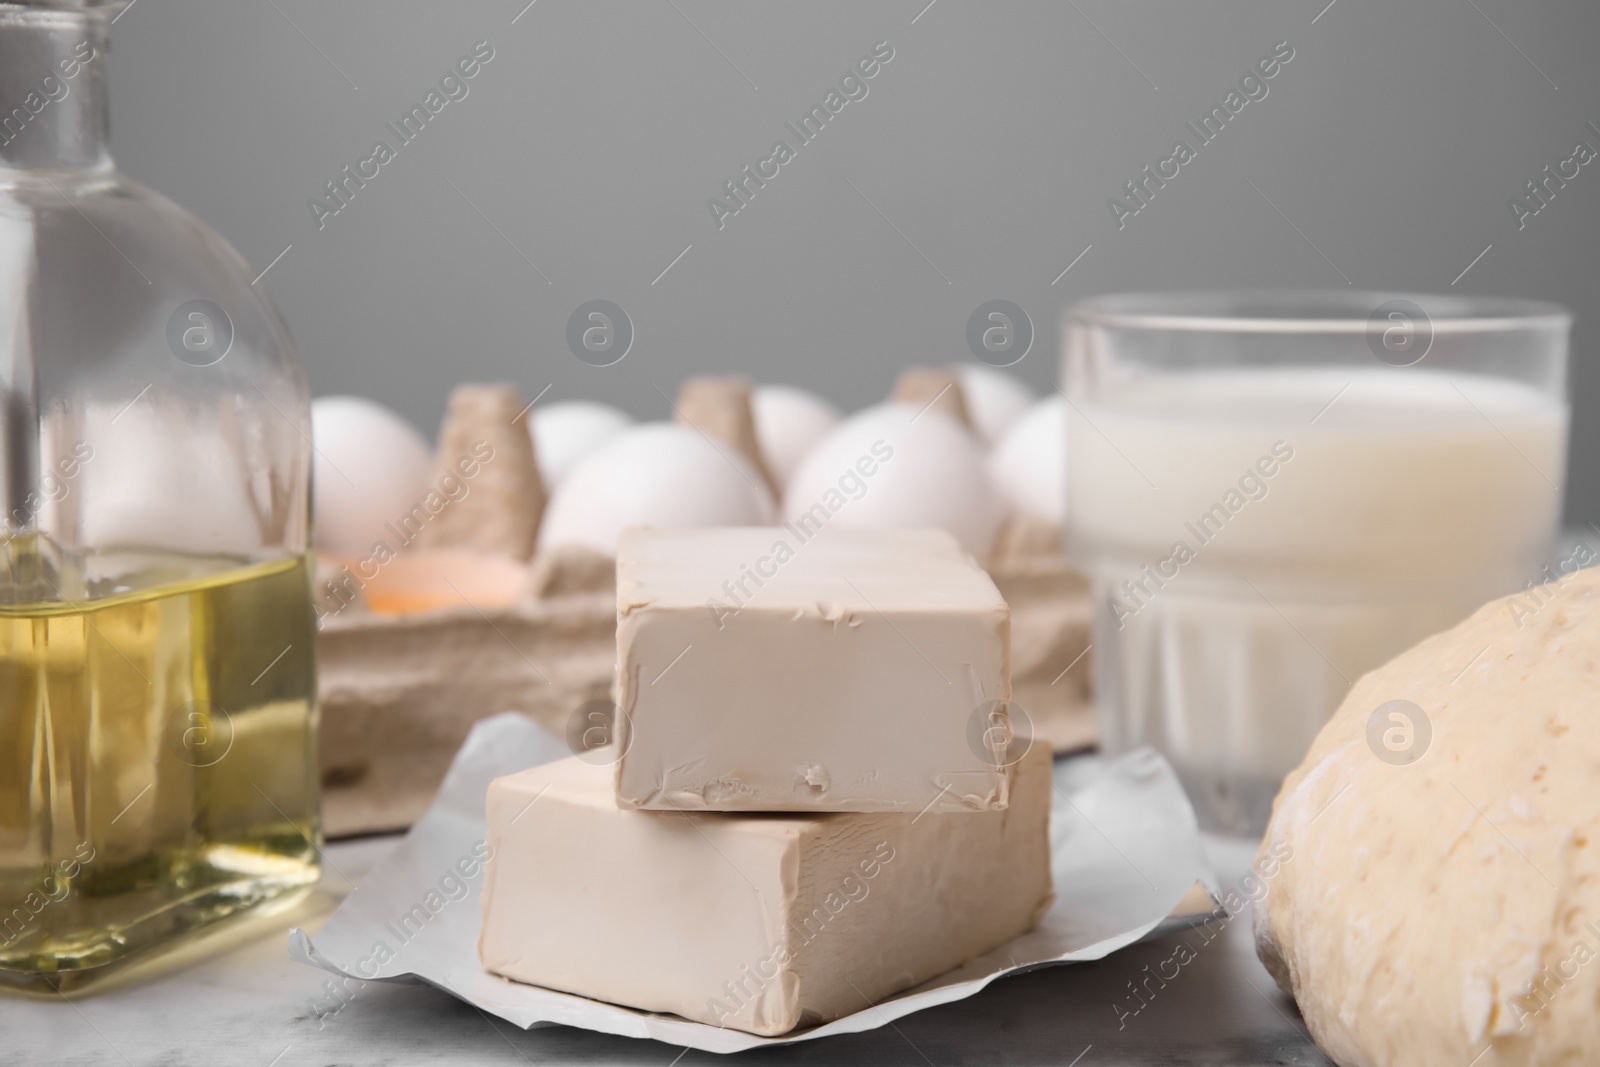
(157, 696)
(1273, 493)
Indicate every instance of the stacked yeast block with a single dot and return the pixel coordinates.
(799, 816)
(851, 671)
(757, 922)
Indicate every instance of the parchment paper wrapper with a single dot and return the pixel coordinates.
(1126, 857)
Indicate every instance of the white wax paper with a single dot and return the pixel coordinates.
(1125, 854)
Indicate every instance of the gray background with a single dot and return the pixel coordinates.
(991, 142)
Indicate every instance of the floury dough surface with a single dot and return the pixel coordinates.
(1437, 909)
(780, 669)
(758, 922)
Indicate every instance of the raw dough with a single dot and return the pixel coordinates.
(1424, 912)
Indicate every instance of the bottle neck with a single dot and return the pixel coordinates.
(53, 88)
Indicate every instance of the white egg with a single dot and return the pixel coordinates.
(655, 474)
(564, 433)
(370, 467)
(145, 469)
(1029, 465)
(789, 422)
(892, 467)
(995, 400)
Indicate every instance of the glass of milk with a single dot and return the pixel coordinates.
(1273, 493)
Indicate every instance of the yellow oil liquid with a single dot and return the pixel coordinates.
(157, 766)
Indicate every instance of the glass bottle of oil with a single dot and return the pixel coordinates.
(157, 686)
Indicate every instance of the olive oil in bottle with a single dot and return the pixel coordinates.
(157, 764)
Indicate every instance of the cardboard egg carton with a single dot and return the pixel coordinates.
(470, 622)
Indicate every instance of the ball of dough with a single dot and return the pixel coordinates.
(1436, 890)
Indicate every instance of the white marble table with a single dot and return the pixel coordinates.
(244, 1004)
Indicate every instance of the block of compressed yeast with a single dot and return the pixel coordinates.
(807, 668)
(762, 923)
